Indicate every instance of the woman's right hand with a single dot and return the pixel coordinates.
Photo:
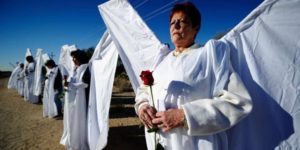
(146, 114)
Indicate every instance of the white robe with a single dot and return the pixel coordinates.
(75, 131)
(49, 106)
(28, 84)
(203, 83)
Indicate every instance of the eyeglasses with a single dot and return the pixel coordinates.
(180, 22)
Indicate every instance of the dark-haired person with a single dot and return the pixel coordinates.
(28, 82)
(76, 99)
(52, 105)
(196, 91)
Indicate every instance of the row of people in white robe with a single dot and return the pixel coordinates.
(22, 80)
(74, 97)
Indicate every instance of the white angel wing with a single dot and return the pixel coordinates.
(141, 47)
(13, 79)
(37, 85)
(28, 53)
(265, 51)
(103, 66)
(139, 43)
(65, 58)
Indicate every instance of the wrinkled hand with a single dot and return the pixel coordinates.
(169, 119)
(146, 115)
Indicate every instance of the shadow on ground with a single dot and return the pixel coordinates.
(126, 138)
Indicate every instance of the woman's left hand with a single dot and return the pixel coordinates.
(169, 119)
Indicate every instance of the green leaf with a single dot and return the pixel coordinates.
(154, 129)
(159, 147)
(141, 125)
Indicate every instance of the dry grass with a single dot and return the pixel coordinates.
(122, 83)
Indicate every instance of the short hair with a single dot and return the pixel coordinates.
(50, 63)
(21, 65)
(190, 10)
(81, 56)
(29, 59)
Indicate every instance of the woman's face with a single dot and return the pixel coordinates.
(76, 62)
(49, 66)
(181, 30)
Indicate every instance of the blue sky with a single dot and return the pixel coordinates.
(49, 24)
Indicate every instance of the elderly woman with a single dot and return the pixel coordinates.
(75, 130)
(197, 94)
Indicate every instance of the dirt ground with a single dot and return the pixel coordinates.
(22, 126)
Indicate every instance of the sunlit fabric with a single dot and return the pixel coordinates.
(264, 51)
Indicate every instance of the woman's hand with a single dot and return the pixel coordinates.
(169, 119)
(146, 115)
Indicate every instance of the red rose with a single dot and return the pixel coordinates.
(147, 77)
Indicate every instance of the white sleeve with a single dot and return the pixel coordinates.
(78, 85)
(142, 98)
(209, 116)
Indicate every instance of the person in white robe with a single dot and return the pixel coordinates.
(75, 112)
(28, 81)
(20, 80)
(197, 94)
(52, 104)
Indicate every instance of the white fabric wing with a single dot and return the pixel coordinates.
(13, 79)
(65, 58)
(37, 85)
(138, 41)
(28, 53)
(103, 66)
(265, 51)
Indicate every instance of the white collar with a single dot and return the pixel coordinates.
(177, 53)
